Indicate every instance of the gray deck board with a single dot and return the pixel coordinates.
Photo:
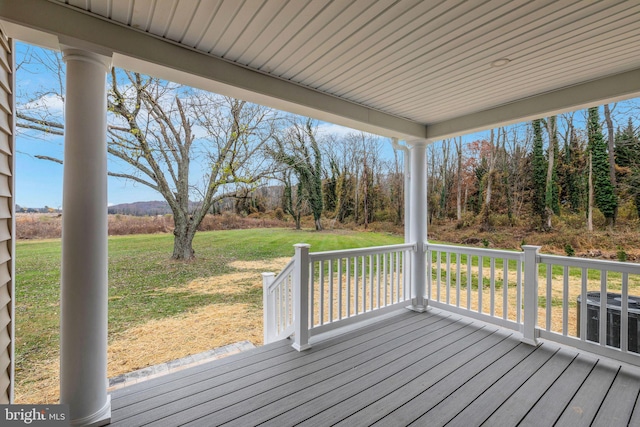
(456, 402)
(585, 403)
(340, 394)
(550, 406)
(256, 393)
(514, 409)
(618, 405)
(290, 395)
(407, 369)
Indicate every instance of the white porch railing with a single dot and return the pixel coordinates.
(340, 286)
(547, 296)
(551, 297)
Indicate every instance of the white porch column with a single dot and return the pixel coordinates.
(83, 318)
(418, 222)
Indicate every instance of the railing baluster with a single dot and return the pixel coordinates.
(398, 274)
(469, 282)
(356, 285)
(519, 291)
(458, 275)
(330, 302)
(312, 294)
(603, 308)
(340, 288)
(583, 304)
(371, 278)
(285, 303)
(565, 301)
(364, 283)
(505, 288)
(624, 318)
(321, 283)
(492, 301)
(480, 282)
(386, 278)
(281, 311)
(348, 264)
(378, 269)
(548, 297)
(429, 255)
(438, 273)
(448, 299)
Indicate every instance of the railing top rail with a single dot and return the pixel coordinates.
(283, 273)
(594, 264)
(466, 250)
(326, 255)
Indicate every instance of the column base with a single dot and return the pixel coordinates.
(98, 419)
(298, 347)
(418, 305)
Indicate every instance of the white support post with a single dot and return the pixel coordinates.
(418, 222)
(529, 334)
(268, 308)
(84, 290)
(301, 297)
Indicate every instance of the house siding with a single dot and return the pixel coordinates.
(7, 223)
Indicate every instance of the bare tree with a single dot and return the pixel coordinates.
(153, 131)
(298, 150)
(612, 160)
(164, 134)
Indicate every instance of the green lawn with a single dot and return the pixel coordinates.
(139, 270)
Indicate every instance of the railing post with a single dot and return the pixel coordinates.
(529, 333)
(268, 308)
(301, 297)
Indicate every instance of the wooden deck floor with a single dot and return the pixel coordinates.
(428, 369)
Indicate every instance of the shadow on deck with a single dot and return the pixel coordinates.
(430, 369)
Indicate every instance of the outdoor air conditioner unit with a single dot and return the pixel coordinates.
(614, 309)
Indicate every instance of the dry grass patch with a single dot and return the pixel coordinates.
(275, 264)
(155, 342)
(159, 341)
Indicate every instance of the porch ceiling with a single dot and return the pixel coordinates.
(408, 68)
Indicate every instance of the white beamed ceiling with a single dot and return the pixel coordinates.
(422, 60)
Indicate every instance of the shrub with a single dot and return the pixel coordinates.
(621, 254)
(568, 249)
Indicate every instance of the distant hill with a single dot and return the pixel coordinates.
(141, 208)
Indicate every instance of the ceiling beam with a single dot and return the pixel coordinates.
(146, 53)
(597, 92)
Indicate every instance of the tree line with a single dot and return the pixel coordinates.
(584, 164)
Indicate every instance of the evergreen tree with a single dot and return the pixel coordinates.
(539, 176)
(571, 173)
(627, 155)
(552, 202)
(627, 151)
(605, 197)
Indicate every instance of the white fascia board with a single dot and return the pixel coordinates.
(146, 53)
(606, 90)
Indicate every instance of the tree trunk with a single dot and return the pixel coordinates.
(486, 209)
(551, 130)
(590, 203)
(458, 143)
(183, 243)
(612, 160)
